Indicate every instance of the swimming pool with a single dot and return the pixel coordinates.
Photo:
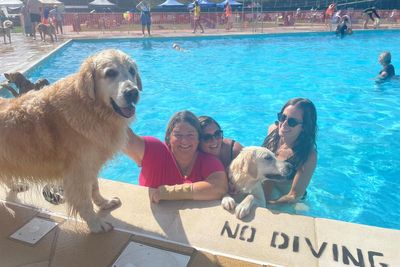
(244, 81)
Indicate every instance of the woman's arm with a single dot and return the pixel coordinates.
(135, 147)
(300, 181)
(213, 188)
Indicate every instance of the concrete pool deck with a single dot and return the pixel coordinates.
(199, 230)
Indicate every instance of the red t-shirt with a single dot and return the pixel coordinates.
(159, 166)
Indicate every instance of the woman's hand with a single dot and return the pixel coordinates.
(154, 194)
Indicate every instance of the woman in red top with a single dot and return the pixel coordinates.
(176, 169)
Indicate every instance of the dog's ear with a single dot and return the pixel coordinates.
(85, 81)
(252, 165)
(7, 76)
(139, 82)
(244, 164)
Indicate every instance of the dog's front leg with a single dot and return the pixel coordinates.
(100, 201)
(255, 198)
(259, 196)
(244, 208)
(78, 195)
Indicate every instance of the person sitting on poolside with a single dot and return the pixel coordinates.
(212, 141)
(387, 72)
(176, 169)
(292, 138)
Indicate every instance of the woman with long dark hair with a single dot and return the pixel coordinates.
(292, 138)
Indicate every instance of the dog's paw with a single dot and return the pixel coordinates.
(99, 226)
(112, 203)
(228, 203)
(243, 209)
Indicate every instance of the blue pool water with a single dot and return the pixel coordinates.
(244, 81)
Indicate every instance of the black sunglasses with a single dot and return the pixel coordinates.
(292, 122)
(218, 134)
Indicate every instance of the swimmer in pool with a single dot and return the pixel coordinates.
(177, 47)
(387, 72)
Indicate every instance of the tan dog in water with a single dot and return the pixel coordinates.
(64, 133)
(246, 173)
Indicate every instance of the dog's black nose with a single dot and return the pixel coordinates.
(131, 95)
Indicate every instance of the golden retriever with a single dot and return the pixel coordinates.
(67, 131)
(46, 29)
(5, 30)
(247, 171)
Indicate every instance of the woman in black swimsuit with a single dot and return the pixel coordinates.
(292, 138)
(212, 141)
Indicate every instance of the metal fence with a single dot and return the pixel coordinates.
(256, 20)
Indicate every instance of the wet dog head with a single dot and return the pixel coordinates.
(257, 164)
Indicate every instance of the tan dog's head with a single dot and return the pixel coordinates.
(112, 77)
(256, 164)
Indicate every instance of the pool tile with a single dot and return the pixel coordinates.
(16, 253)
(136, 212)
(76, 247)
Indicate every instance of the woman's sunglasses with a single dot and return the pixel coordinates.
(218, 134)
(292, 122)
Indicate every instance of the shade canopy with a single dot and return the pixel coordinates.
(101, 3)
(10, 3)
(50, 2)
(231, 3)
(171, 3)
(204, 4)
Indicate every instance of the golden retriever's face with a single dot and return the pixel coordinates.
(257, 164)
(116, 81)
(269, 167)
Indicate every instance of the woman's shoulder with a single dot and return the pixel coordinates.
(272, 127)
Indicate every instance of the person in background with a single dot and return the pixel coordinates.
(196, 15)
(212, 141)
(26, 21)
(228, 15)
(57, 18)
(385, 59)
(34, 10)
(145, 15)
(176, 169)
(292, 138)
(329, 13)
(369, 13)
(46, 14)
